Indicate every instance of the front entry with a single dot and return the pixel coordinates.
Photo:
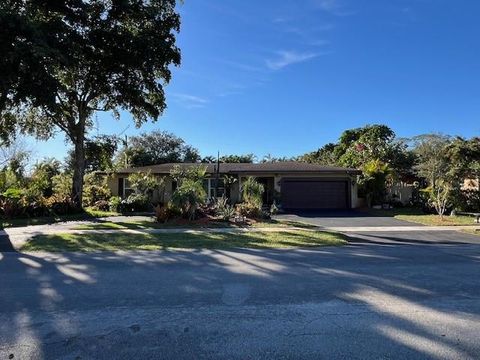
(268, 186)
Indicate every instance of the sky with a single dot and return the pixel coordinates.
(284, 77)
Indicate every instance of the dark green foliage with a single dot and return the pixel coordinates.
(136, 203)
(373, 149)
(157, 147)
(189, 196)
(433, 160)
(252, 192)
(356, 147)
(326, 155)
(114, 204)
(64, 60)
(41, 180)
(96, 189)
(99, 154)
(247, 158)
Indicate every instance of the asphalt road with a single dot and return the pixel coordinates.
(362, 301)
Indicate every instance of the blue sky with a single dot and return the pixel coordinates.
(286, 76)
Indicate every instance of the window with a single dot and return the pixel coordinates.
(127, 188)
(209, 186)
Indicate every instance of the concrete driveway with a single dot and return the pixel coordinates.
(362, 301)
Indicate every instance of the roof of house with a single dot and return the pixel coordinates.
(248, 168)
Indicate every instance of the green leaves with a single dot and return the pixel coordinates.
(158, 147)
(64, 60)
(144, 182)
(252, 192)
(189, 196)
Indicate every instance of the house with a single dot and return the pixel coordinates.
(294, 185)
(471, 184)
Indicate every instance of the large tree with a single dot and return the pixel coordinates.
(360, 146)
(326, 155)
(99, 154)
(433, 160)
(246, 158)
(64, 60)
(156, 147)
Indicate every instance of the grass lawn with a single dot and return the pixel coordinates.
(417, 216)
(107, 225)
(89, 214)
(204, 240)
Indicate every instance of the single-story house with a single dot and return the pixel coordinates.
(293, 185)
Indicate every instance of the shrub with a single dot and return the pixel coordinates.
(252, 192)
(249, 210)
(144, 183)
(227, 212)
(12, 203)
(115, 203)
(466, 200)
(8, 179)
(62, 185)
(373, 182)
(189, 196)
(222, 209)
(274, 209)
(439, 198)
(136, 203)
(41, 181)
(95, 189)
(165, 212)
(59, 205)
(102, 205)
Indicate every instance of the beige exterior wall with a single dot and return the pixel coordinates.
(165, 194)
(112, 182)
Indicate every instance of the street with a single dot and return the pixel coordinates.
(364, 300)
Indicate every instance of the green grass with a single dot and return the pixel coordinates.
(204, 240)
(88, 214)
(417, 216)
(108, 225)
(435, 220)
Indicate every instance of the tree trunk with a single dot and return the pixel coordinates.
(79, 167)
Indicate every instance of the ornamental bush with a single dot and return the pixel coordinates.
(189, 196)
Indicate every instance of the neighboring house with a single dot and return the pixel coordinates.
(294, 185)
(401, 191)
(471, 184)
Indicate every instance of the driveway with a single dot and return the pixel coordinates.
(342, 218)
(367, 229)
(358, 301)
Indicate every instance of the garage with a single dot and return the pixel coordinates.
(315, 194)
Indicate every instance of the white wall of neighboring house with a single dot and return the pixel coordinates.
(402, 192)
(471, 184)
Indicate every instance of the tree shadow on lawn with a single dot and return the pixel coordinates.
(49, 301)
(201, 239)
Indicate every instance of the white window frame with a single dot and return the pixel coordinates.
(126, 188)
(211, 187)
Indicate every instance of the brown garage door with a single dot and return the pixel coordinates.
(314, 194)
